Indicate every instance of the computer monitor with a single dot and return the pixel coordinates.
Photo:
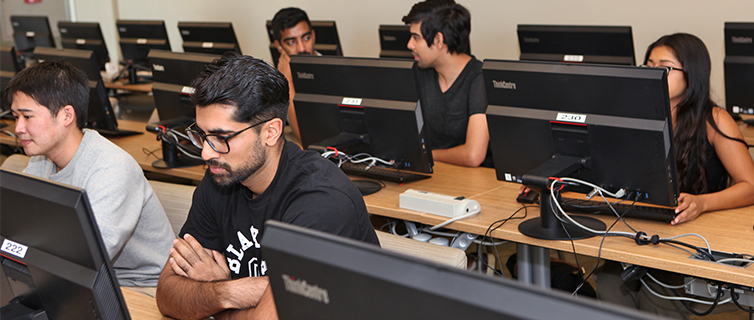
(84, 36)
(607, 125)
(315, 275)
(53, 257)
(327, 41)
(9, 65)
(739, 67)
(101, 116)
(578, 44)
(361, 105)
(208, 37)
(173, 73)
(137, 37)
(393, 41)
(30, 32)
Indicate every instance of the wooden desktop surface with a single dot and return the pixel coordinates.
(141, 306)
(727, 230)
(124, 85)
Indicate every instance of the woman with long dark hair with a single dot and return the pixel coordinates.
(715, 168)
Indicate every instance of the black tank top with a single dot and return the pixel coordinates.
(717, 176)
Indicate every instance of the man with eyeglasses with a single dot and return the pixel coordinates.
(216, 266)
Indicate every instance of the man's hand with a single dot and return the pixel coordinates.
(284, 64)
(189, 259)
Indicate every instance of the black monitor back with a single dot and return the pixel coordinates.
(616, 117)
(173, 73)
(393, 41)
(84, 36)
(30, 32)
(53, 257)
(372, 98)
(327, 41)
(208, 37)
(314, 275)
(101, 114)
(9, 65)
(739, 67)
(137, 37)
(580, 44)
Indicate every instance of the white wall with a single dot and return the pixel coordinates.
(493, 21)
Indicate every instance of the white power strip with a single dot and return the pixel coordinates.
(439, 204)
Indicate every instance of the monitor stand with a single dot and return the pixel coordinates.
(17, 310)
(171, 158)
(547, 226)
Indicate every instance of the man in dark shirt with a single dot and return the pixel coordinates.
(293, 35)
(450, 82)
(216, 266)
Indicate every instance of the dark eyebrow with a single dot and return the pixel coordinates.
(294, 38)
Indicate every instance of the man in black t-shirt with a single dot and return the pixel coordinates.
(216, 266)
(450, 82)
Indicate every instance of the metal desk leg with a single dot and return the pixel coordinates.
(524, 269)
(533, 265)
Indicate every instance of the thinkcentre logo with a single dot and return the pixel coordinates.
(300, 287)
(741, 39)
(504, 85)
(304, 75)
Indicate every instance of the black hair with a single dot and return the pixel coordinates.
(446, 17)
(693, 112)
(257, 90)
(54, 85)
(288, 18)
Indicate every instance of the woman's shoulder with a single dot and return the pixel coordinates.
(725, 123)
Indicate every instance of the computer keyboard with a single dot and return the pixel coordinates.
(381, 173)
(632, 211)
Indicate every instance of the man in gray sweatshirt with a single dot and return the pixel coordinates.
(50, 102)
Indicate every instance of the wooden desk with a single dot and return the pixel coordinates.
(748, 132)
(124, 85)
(141, 306)
(729, 230)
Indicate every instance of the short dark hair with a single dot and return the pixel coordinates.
(288, 18)
(53, 84)
(255, 88)
(444, 16)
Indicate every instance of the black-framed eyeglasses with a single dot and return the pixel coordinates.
(667, 68)
(217, 142)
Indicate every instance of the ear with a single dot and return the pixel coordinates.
(278, 46)
(314, 36)
(272, 131)
(67, 115)
(439, 41)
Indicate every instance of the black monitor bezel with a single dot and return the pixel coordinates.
(352, 277)
(580, 54)
(214, 37)
(84, 36)
(58, 274)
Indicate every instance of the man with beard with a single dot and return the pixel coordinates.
(293, 35)
(450, 83)
(216, 266)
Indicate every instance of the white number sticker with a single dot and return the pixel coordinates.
(14, 248)
(81, 42)
(351, 101)
(188, 90)
(573, 58)
(141, 41)
(571, 117)
(208, 44)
